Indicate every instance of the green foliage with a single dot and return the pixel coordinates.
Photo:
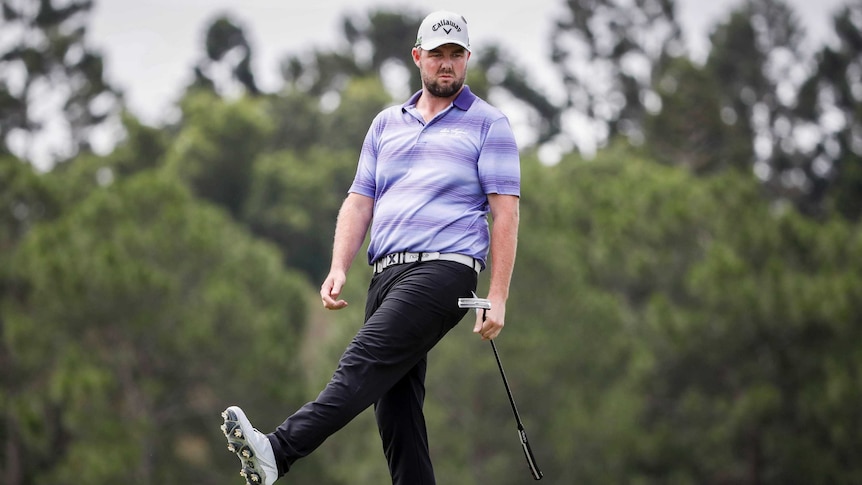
(294, 203)
(771, 314)
(301, 122)
(361, 100)
(216, 148)
(836, 80)
(143, 148)
(663, 327)
(688, 133)
(617, 230)
(297, 121)
(731, 320)
(228, 58)
(140, 315)
(48, 52)
(756, 62)
(390, 34)
(609, 54)
(25, 199)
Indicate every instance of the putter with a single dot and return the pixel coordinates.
(484, 304)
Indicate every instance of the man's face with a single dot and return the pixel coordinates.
(443, 70)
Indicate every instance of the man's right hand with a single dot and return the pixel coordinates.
(331, 289)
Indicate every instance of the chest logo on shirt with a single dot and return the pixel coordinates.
(458, 132)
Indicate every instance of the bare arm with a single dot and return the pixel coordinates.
(350, 230)
(504, 244)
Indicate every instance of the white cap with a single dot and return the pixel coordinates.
(440, 28)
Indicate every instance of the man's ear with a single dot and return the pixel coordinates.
(417, 52)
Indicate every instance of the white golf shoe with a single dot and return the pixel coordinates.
(251, 446)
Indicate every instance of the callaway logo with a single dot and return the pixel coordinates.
(443, 24)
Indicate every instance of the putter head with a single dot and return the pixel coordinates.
(477, 303)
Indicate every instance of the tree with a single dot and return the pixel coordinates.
(48, 69)
(25, 200)
(298, 121)
(228, 58)
(832, 93)
(137, 317)
(141, 149)
(509, 77)
(750, 380)
(757, 59)
(690, 131)
(217, 145)
(609, 54)
(373, 44)
(294, 200)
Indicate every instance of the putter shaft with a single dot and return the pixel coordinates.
(484, 304)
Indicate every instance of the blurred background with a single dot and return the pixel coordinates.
(686, 306)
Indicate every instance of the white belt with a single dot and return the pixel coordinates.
(401, 258)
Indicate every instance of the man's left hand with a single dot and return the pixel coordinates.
(492, 324)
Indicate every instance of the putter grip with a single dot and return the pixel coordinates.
(528, 452)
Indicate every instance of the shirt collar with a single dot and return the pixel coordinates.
(465, 99)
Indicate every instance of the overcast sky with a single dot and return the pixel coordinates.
(150, 46)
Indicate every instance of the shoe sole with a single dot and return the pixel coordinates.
(237, 444)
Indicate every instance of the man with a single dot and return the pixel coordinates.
(429, 173)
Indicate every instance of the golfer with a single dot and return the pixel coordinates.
(430, 171)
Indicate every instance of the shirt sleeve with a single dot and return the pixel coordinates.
(364, 182)
(499, 160)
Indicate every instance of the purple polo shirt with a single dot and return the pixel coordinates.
(430, 181)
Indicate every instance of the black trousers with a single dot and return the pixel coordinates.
(410, 307)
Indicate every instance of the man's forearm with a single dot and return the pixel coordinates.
(504, 244)
(354, 218)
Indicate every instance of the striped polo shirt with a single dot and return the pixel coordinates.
(429, 180)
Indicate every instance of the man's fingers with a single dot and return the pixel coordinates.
(331, 301)
(329, 292)
(334, 304)
(488, 329)
(490, 333)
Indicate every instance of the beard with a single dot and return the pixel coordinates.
(442, 90)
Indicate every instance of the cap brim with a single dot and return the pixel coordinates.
(433, 44)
